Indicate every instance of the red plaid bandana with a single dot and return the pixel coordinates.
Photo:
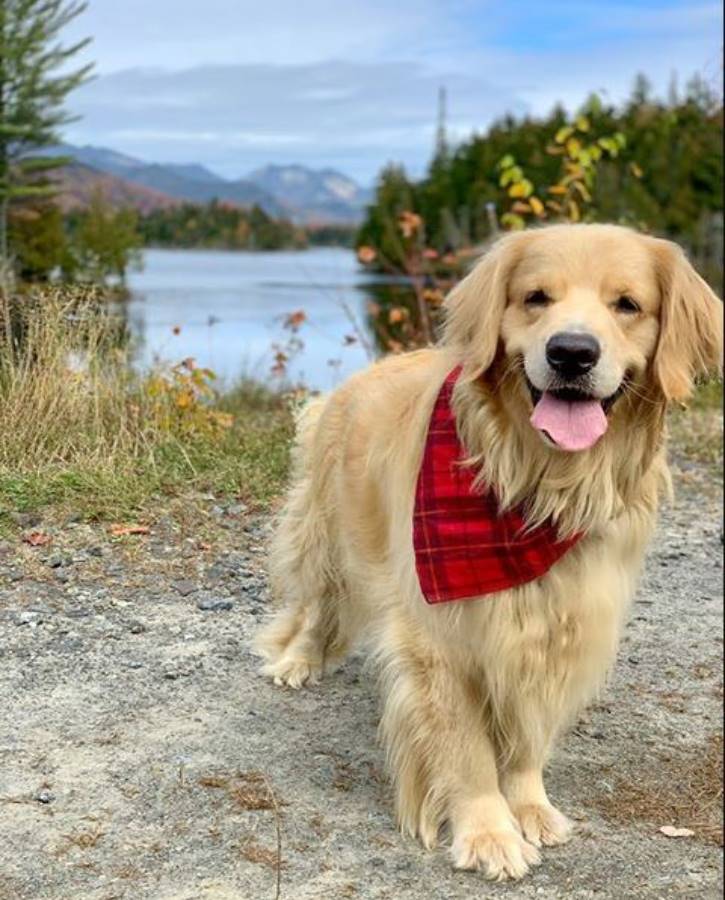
(464, 545)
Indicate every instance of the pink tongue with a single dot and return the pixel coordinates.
(573, 426)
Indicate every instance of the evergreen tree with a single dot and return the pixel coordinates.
(34, 83)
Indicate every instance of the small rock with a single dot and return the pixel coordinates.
(236, 509)
(78, 613)
(61, 576)
(29, 617)
(136, 627)
(185, 587)
(133, 664)
(44, 796)
(95, 551)
(26, 519)
(60, 559)
(214, 604)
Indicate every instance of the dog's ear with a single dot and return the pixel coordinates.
(690, 343)
(475, 306)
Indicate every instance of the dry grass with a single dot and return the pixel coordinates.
(82, 839)
(254, 852)
(81, 429)
(680, 789)
(246, 790)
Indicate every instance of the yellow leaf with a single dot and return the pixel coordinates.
(557, 189)
(512, 221)
(573, 146)
(536, 205)
(635, 169)
(521, 189)
(582, 123)
(520, 207)
(563, 133)
(573, 211)
(583, 192)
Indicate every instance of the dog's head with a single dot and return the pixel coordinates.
(578, 315)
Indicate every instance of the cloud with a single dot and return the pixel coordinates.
(237, 85)
(236, 116)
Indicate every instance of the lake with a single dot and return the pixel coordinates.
(227, 309)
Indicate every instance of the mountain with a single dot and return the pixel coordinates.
(100, 158)
(313, 195)
(168, 180)
(77, 183)
(307, 196)
(194, 171)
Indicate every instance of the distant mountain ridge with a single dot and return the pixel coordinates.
(311, 195)
(307, 196)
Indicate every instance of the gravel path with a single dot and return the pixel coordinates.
(141, 756)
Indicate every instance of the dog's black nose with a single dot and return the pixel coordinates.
(572, 353)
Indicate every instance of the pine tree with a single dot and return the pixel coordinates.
(34, 83)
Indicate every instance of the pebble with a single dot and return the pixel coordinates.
(29, 617)
(44, 796)
(184, 587)
(136, 627)
(26, 519)
(214, 604)
(55, 562)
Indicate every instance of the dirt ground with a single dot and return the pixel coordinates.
(142, 756)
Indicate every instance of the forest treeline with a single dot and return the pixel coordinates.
(666, 177)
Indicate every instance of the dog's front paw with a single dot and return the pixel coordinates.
(542, 823)
(293, 671)
(499, 854)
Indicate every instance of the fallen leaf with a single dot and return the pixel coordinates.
(671, 831)
(123, 530)
(37, 538)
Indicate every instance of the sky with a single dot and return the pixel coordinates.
(236, 85)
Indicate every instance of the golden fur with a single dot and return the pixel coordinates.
(475, 692)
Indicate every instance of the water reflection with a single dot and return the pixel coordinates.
(227, 310)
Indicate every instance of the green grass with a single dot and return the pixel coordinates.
(249, 462)
(696, 433)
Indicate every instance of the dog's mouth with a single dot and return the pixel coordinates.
(570, 418)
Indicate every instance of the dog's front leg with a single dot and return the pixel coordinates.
(443, 762)
(540, 821)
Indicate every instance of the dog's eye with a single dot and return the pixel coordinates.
(626, 304)
(537, 298)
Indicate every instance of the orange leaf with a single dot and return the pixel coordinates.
(123, 530)
(366, 254)
(37, 538)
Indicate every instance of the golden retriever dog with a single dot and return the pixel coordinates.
(572, 341)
